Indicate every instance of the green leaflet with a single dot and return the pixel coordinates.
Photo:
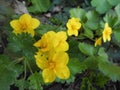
(92, 20)
(22, 43)
(36, 81)
(110, 70)
(86, 84)
(22, 84)
(103, 55)
(88, 32)
(78, 13)
(91, 62)
(74, 50)
(117, 10)
(39, 6)
(117, 35)
(75, 67)
(87, 49)
(9, 72)
(113, 2)
(101, 6)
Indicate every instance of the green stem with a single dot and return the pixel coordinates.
(25, 64)
(28, 64)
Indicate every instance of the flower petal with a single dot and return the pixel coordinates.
(60, 58)
(25, 19)
(15, 24)
(107, 33)
(62, 35)
(31, 31)
(48, 75)
(41, 61)
(34, 23)
(63, 46)
(62, 72)
(72, 32)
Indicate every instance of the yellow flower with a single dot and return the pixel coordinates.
(98, 41)
(53, 41)
(47, 41)
(53, 66)
(25, 24)
(73, 26)
(107, 33)
(62, 44)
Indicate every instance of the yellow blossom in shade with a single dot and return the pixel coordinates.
(52, 40)
(98, 41)
(46, 42)
(53, 66)
(25, 24)
(73, 26)
(107, 33)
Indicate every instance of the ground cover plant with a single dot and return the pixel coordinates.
(59, 44)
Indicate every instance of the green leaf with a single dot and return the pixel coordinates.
(92, 16)
(92, 25)
(86, 48)
(86, 84)
(22, 84)
(117, 35)
(76, 66)
(110, 70)
(102, 6)
(39, 6)
(22, 43)
(91, 62)
(117, 10)
(113, 3)
(87, 32)
(74, 51)
(8, 72)
(103, 55)
(35, 81)
(111, 18)
(101, 80)
(92, 20)
(44, 28)
(78, 13)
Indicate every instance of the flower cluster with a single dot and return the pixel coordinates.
(51, 56)
(106, 35)
(25, 24)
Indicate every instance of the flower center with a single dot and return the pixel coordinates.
(23, 26)
(73, 27)
(51, 65)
